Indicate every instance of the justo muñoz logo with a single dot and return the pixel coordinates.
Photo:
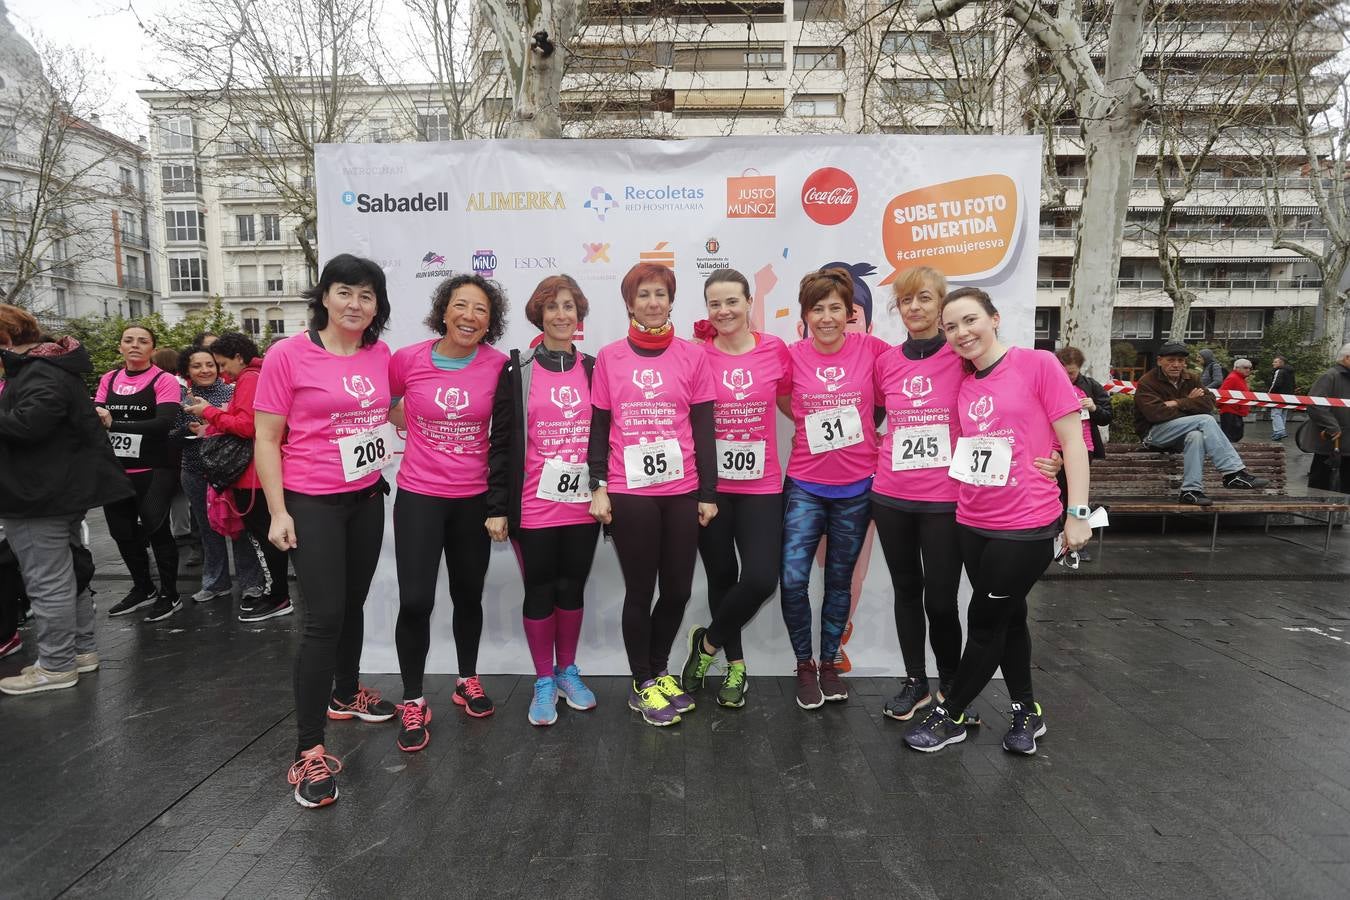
(829, 196)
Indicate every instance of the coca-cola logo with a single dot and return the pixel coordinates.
(829, 196)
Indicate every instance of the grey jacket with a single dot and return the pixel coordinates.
(1334, 382)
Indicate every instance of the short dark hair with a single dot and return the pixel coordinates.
(816, 286)
(357, 272)
(166, 358)
(727, 276)
(232, 344)
(971, 293)
(1070, 356)
(546, 291)
(185, 358)
(642, 273)
(440, 302)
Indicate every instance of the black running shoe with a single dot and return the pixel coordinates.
(163, 608)
(133, 601)
(1028, 723)
(944, 691)
(913, 696)
(314, 775)
(1244, 480)
(413, 734)
(1195, 498)
(936, 731)
(267, 608)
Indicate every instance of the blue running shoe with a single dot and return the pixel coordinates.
(573, 689)
(544, 706)
(1027, 725)
(936, 731)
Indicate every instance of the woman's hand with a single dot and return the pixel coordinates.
(197, 428)
(1088, 404)
(1049, 466)
(195, 406)
(282, 532)
(104, 416)
(706, 513)
(1077, 532)
(496, 528)
(600, 508)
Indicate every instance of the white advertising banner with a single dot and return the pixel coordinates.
(774, 208)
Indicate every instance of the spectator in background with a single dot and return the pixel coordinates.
(1095, 413)
(1281, 382)
(1212, 374)
(180, 511)
(1329, 424)
(1233, 416)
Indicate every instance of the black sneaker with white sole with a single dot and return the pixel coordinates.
(913, 696)
(1028, 723)
(1244, 480)
(163, 608)
(133, 601)
(1195, 498)
(267, 609)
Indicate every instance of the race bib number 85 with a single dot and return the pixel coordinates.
(366, 452)
(645, 465)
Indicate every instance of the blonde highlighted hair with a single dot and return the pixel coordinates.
(911, 281)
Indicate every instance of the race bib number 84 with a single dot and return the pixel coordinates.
(564, 482)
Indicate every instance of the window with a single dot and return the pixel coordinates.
(272, 282)
(180, 180)
(245, 230)
(133, 268)
(126, 177)
(134, 307)
(131, 224)
(176, 133)
(1239, 323)
(266, 142)
(249, 319)
(816, 105)
(276, 320)
(184, 225)
(433, 127)
(920, 89)
(764, 59)
(271, 227)
(10, 192)
(493, 64)
(1132, 324)
(817, 58)
(1042, 325)
(9, 244)
(61, 308)
(187, 275)
(1195, 325)
(379, 131)
(248, 281)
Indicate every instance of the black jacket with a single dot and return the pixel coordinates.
(506, 446)
(55, 458)
(1283, 381)
(1329, 420)
(1102, 415)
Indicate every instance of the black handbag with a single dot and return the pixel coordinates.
(225, 458)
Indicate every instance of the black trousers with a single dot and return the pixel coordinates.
(257, 520)
(425, 529)
(656, 539)
(145, 517)
(554, 564)
(1002, 573)
(338, 538)
(742, 551)
(923, 554)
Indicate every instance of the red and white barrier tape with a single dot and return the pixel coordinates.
(1246, 398)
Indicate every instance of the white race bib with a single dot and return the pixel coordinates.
(125, 446)
(366, 452)
(645, 465)
(982, 461)
(833, 429)
(740, 460)
(564, 482)
(1084, 415)
(921, 447)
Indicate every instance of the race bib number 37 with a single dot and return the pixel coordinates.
(125, 446)
(921, 447)
(645, 465)
(982, 461)
(833, 429)
(366, 452)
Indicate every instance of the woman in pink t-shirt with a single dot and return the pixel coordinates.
(539, 492)
(653, 474)
(138, 403)
(446, 385)
(322, 434)
(741, 548)
(833, 406)
(1017, 404)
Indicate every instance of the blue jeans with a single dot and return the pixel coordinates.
(1197, 437)
(806, 518)
(1277, 423)
(215, 558)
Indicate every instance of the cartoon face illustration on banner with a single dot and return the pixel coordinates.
(966, 228)
(567, 399)
(980, 410)
(831, 376)
(649, 380)
(739, 381)
(452, 401)
(360, 388)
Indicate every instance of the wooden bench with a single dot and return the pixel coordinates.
(1136, 481)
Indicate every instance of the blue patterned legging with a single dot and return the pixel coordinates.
(843, 523)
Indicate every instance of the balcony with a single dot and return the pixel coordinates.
(135, 281)
(66, 271)
(257, 194)
(131, 239)
(264, 288)
(19, 160)
(233, 240)
(1148, 292)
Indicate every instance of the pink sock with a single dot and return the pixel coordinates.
(539, 633)
(569, 635)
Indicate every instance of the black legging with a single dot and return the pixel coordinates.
(554, 564)
(337, 544)
(1002, 573)
(425, 528)
(257, 520)
(11, 597)
(751, 525)
(146, 516)
(656, 539)
(923, 555)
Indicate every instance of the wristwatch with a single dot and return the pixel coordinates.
(1079, 512)
(597, 483)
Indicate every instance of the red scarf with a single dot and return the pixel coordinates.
(644, 338)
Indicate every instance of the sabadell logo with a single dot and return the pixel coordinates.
(829, 196)
(388, 203)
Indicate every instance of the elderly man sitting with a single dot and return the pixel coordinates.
(1173, 412)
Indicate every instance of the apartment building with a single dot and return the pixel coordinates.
(90, 252)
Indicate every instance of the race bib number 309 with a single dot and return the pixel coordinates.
(740, 460)
(366, 452)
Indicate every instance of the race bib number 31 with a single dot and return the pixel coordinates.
(564, 482)
(125, 446)
(740, 460)
(366, 452)
(833, 429)
(921, 447)
(645, 465)
(982, 461)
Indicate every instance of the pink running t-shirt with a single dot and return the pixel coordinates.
(1087, 422)
(448, 416)
(557, 427)
(119, 383)
(824, 381)
(324, 397)
(920, 396)
(748, 386)
(1018, 401)
(649, 399)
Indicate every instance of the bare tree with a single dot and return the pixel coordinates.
(446, 46)
(533, 37)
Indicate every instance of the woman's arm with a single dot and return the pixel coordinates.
(269, 429)
(1069, 432)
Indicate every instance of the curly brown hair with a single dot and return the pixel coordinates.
(440, 302)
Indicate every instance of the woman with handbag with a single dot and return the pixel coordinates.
(232, 427)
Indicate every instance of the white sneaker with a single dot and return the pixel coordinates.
(34, 679)
(86, 662)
